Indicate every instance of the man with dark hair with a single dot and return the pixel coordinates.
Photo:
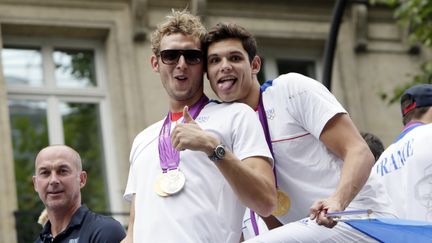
(375, 144)
(405, 167)
(415, 102)
(322, 164)
(58, 180)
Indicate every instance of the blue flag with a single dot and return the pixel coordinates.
(395, 230)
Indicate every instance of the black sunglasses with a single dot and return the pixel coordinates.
(171, 56)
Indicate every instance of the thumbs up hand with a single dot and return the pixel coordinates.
(189, 135)
(187, 117)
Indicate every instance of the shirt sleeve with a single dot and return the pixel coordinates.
(310, 102)
(131, 185)
(248, 135)
(109, 231)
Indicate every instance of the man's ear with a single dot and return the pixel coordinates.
(154, 63)
(34, 183)
(83, 179)
(256, 65)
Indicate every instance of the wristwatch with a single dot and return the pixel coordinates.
(218, 153)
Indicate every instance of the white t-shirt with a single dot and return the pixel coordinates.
(206, 210)
(405, 168)
(297, 109)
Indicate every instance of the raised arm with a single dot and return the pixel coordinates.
(251, 179)
(342, 138)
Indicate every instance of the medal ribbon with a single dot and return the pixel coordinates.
(170, 157)
(263, 120)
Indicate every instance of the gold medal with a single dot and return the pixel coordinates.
(283, 204)
(157, 188)
(173, 181)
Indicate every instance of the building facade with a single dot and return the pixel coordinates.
(78, 72)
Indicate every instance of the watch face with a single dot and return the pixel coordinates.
(220, 152)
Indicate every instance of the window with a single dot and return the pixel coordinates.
(56, 95)
(277, 60)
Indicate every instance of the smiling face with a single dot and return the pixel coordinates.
(231, 75)
(182, 81)
(58, 178)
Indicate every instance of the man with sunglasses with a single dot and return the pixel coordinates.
(321, 162)
(192, 172)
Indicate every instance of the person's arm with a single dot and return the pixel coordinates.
(342, 138)
(251, 179)
(129, 234)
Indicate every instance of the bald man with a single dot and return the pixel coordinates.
(58, 180)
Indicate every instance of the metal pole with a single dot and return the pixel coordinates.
(331, 42)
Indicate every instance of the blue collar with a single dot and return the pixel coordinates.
(408, 127)
(76, 221)
(266, 84)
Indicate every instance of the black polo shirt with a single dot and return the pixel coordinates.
(85, 227)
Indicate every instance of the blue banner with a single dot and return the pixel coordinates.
(395, 230)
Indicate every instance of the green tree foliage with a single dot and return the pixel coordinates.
(27, 140)
(82, 132)
(417, 16)
(29, 135)
(82, 65)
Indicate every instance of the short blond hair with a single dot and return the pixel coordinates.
(178, 22)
